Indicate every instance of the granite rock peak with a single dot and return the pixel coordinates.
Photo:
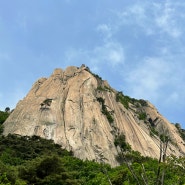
(84, 114)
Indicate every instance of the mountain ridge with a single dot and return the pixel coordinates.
(84, 114)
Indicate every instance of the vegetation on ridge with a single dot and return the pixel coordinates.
(53, 165)
(181, 131)
(105, 111)
(104, 88)
(3, 116)
(33, 160)
(125, 100)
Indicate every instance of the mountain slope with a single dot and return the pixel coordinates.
(84, 114)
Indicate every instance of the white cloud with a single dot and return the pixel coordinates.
(148, 78)
(138, 11)
(151, 32)
(159, 80)
(154, 17)
(136, 15)
(106, 30)
(166, 20)
(109, 53)
(174, 97)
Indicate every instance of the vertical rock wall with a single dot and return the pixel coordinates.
(65, 108)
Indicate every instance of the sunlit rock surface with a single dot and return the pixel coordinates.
(65, 108)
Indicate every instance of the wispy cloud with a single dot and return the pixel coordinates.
(110, 53)
(154, 17)
(138, 45)
(156, 72)
(157, 80)
(166, 19)
(105, 30)
(148, 77)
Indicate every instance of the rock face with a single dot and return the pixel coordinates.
(84, 114)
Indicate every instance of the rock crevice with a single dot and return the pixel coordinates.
(65, 108)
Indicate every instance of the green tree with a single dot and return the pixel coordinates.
(7, 109)
(3, 116)
(4, 180)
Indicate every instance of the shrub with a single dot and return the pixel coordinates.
(153, 132)
(120, 141)
(181, 131)
(105, 111)
(1, 129)
(124, 100)
(142, 116)
(3, 116)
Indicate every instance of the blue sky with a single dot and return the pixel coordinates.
(138, 46)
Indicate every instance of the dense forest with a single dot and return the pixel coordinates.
(36, 161)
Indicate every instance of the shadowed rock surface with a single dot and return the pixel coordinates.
(84, 114)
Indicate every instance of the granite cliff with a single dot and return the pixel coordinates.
(82, 113)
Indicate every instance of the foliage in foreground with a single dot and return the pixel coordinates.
(3, 116)
(33, 160)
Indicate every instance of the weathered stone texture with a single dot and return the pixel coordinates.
(64, 108)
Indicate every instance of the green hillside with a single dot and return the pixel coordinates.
(36, 161)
